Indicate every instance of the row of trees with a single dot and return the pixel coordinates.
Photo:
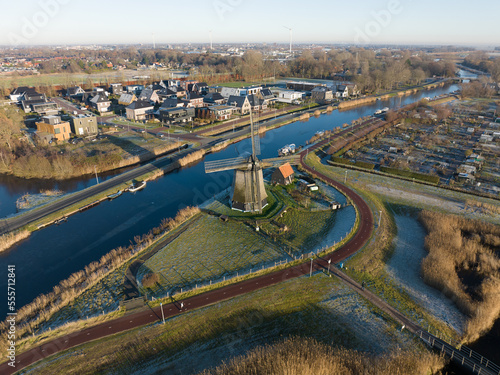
(372, 70)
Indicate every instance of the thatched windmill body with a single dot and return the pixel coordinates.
(248, 191)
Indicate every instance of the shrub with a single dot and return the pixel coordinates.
(149, 280)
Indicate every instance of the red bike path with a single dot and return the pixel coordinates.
(152, 315)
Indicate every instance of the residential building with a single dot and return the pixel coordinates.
(100, 102)
(116, 88)
(193, 100)
(172, 103)
(54, 127)
(256, 103)
(282, 175)
(139, 110)
(126, 99)
(221, 112)
(226, 92)
(18, 93)
(176, 115)
(135, 89)
(322, 94)
(289, 96)
(150, 95)
(84, 124)
(201, 88)
(75, 91)
(342, 91)
(45, 108)
(267, 95)
(240, 104)
(214, 98)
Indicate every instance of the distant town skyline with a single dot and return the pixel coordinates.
(46, 22)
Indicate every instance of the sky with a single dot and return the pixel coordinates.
(436, 22)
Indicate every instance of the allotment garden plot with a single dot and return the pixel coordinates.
(209, 250)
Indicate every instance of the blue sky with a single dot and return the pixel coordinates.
(363, 21)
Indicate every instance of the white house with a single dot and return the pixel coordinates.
(288, 96)
(232, 91)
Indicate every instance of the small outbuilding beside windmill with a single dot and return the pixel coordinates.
(282, 175)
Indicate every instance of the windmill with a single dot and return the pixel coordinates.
(248, 193)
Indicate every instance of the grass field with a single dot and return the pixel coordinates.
(208, 250)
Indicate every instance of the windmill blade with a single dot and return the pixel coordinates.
(226, 165)
(276, 162)
(256, 138)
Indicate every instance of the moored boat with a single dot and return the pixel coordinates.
(115, 195)
(137, 186)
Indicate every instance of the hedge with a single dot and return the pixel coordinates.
(409, 174)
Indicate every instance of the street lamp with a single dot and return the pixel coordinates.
(162, 315)
(345, 176)
(379, 217)
(311, 271)
(329, 261)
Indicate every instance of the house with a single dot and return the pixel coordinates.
(150, 95)
(214, 98)
(126, 99)
(100, 102)
(342, 91)
(172, 103)
(176, 115)
(139, 110)
(136, 89)
(288, 96)
(74, 92)
(193, 100)
(18, 93)
(282, 175)
(352, 89)
(84, 124)
(322, 94)
(232, 91)
(267, 95)
(45, 108)
(306, 185)
(32, 101)
(221, 112)
(165, 94)
(116, 88)
(201, 88)
(52, 127)
(257, 103)
(240, 104)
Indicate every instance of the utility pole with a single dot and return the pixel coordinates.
(345, 177)
(162, 315)
(311, 271)
(329, 261)
(97, 178)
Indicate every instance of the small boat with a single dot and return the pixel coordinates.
(64, 218)
(115, 195)
(287, 150)
(137, 186)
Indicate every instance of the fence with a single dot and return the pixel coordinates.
(461, 354)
